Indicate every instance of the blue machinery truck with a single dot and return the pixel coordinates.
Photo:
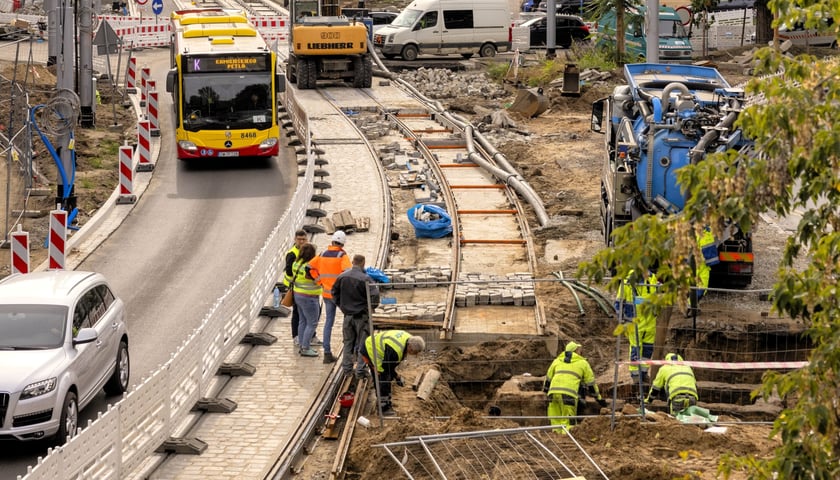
(666, 117)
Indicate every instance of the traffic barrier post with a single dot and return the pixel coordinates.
(58, 239)
(126, 166)
(131, 75)
(145, 73)
(144, 162)
(152, 110)
(20, 250)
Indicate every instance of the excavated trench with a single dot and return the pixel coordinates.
(506, 377)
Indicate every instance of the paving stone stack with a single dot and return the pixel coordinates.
(440, 83)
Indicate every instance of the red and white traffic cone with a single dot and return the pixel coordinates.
(154, 127)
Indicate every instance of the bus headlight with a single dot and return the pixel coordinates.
(187, 145)
(268, 143)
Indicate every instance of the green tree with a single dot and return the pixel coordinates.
(797, 132)
(601, 7)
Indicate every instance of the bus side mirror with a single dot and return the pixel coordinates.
(170, 81)
(280, 82)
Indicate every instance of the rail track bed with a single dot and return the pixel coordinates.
(476, 281)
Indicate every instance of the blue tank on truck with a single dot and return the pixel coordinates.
(666, 117)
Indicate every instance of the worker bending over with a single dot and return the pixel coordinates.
(676, 383)
(391, 348)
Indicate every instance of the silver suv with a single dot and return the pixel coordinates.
(63, 337)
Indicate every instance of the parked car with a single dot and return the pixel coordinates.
(380, 19)
(568, 29)
(565, 6)
(63, 338)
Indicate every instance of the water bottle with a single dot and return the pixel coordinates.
(276, 297)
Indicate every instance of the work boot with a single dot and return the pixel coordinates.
(329, 358)
(388, 411)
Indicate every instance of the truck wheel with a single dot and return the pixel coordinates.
(487, 50)
(291, 73)
(367, 69)
(308, 74)
(362, 72)
(409, 53)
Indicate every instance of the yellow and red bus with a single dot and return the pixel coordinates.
(224, 83)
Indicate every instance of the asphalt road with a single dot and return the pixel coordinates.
(192, 233)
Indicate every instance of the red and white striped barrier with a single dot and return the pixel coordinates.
(143, 32)
(144, 163)
(725, 365)
(131, 75)
(20, 251)
(126, 166)
(153, 112)
(145, 73)
(58, 239)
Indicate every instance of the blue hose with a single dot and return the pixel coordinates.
(67, 184)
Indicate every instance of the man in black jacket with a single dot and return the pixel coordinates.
(350, 294)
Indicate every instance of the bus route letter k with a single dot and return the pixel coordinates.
(196, 64)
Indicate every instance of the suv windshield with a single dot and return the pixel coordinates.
(32, 327)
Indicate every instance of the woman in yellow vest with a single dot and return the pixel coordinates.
(307, 298)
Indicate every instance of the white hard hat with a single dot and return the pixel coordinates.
(339, 237)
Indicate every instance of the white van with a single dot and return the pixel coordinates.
(440, 27)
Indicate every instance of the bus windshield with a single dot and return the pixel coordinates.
(221, 101)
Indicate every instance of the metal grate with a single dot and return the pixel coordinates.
(521, 453)
(4, 406)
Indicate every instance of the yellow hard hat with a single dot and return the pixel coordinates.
(571, 346)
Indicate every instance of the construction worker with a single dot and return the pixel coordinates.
(702, 271)
(638, 326)
(288, 277)
(387, 349)
(350, 293)
(330, 263)
(676, 383)
(307, 293)
(568, 378)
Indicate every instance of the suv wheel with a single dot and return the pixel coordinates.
(118, 383)
(69, 421)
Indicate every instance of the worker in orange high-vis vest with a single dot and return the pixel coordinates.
(330, 263)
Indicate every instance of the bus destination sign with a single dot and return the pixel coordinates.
(226, 63)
